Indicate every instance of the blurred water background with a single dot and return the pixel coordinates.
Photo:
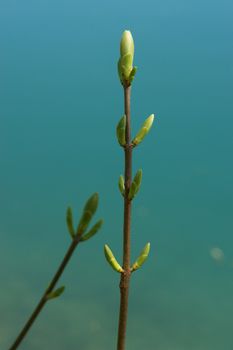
(60, 102)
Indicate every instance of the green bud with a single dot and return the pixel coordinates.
(55, 293)
(120, 131)
(69, 222)
(135, 185)
(127, 44)
(125, 63)
(92, 231)
(88, 211)
(132, 74)
(142, 257)
(144, 130)
(111, 259)
(121, 185)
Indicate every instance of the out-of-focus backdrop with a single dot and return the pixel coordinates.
(60, 102)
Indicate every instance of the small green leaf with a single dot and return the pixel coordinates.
(69, 222)
(120, 131)
(135, 185)
(56, 293)
(88, 211)
(92, 231)
(132, 74)
(125, 66)
(142, 257)
(144, 130)
(121, 185)
(111, 259)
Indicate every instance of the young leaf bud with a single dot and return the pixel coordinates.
(127, 44)
(92, 231)
(144, 130)
(121, 185)
(111, 259)
(56, 293)
(135, 185)
(125, 63)
(142, 257)
(88, 211)
(120, 131)
(126, 66)
(132, 74)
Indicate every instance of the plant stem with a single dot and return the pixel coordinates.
(125, 276)
(43, 299)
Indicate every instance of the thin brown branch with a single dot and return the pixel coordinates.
(125, 276)
(43, 299)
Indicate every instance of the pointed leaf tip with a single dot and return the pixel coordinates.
(88, 211)
(92, 203)
(56, 293)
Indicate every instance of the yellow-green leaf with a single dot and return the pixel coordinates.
(144, 130)
(142, 257)
(120, 131)
(111, 259)
(121, 185)
(135, 185)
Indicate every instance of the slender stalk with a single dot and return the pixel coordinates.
(43, 299)
(125, 276)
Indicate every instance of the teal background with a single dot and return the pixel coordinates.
(60, 102)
